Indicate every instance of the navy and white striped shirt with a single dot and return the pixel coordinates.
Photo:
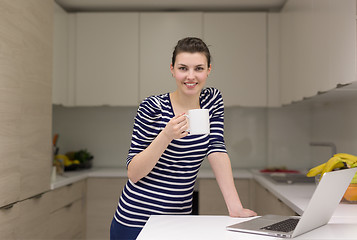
(168, 188)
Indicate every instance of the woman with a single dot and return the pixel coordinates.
(163, 159)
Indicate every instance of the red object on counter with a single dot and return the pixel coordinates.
(276, 170)
(55, 138)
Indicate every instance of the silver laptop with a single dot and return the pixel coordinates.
(322, 205)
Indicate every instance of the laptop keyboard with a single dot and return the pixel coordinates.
(283, 226)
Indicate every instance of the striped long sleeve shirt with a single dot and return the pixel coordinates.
(168, 188)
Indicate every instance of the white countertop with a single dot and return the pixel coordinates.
(296, 196)
(214, 227)
(343, 225)
(74, 176)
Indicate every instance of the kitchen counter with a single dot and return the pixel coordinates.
(70, 177)
(214, 227)
(297, 197)
(74, 176)
(343, 224)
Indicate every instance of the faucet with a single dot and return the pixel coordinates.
(325, 144)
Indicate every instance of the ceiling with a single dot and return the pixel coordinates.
(171, 5)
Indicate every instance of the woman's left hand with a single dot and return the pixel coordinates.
(243, 212)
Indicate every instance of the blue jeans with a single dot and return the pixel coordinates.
(120, 232)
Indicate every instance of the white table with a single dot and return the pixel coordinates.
(214, 228)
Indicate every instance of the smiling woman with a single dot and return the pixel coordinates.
(164, 159)
(191, 65)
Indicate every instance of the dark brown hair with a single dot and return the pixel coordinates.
(191, 45)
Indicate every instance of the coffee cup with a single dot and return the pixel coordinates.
(198, 120)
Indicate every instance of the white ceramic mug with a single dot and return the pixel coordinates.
(198, 120)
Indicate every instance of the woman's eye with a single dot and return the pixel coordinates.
(199, 69)
(182, 68)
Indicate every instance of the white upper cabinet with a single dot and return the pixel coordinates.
(238, 46)
(159, 33)
(60, 57)
(273, 43)
(106, 59)
(318, 46)
(258, 59)
(118, 59)
(342, 41)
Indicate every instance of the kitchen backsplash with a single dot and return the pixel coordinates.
(106, 133)
(335, 121)
(255, 137)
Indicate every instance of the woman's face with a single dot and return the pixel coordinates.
(190, 72)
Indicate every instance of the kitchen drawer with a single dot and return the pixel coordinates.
(211, 201)
(266, 203)
(68, 222)
(33, 218)
(102, 200)
(67, 194)
(8, 218)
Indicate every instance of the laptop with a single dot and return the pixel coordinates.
(322, 205)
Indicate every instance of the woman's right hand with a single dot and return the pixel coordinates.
(177, 127)
(143, 162)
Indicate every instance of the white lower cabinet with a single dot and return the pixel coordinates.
(251, 194)
(65, 195)
(67, 212)
(8, 218)
(27, 219)
(211, 201)
(102, 200)
(266, 203)
(68, 222)
(85, 209)
(33, 218)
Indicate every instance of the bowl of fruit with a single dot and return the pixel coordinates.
(336, 162)
(351, 192)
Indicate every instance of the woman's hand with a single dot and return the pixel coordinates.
(177, 127)
(243, 212)
(221, 166)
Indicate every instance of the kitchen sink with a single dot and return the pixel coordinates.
(289, 178)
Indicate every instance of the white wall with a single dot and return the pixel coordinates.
(103, 131)
(334, 121)
(245, 136)
(292, 128)
(255, 137)
(106, 133)
(288, 137)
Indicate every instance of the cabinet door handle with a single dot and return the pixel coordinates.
(37, 196)
(68, 205)
(9, 206)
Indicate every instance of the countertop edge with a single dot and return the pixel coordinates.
(296, 197)
(75, 176)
